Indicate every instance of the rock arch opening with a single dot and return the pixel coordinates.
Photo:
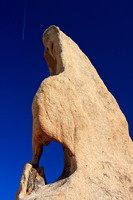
(53, 161)
(58, 162)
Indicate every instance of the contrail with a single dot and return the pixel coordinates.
(25, 11)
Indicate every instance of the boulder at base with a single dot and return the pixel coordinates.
(32, 179)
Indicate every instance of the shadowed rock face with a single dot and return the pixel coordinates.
(74, 108)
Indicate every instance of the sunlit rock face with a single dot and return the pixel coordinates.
(74, 108)
(32, 179)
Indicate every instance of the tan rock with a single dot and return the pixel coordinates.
(30, 181)
(74, 108)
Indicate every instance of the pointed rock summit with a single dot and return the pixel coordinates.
(75, 108)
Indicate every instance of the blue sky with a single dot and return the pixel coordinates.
(104, 32)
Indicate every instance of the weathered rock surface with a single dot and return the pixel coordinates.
(74, 108)
(30, 181)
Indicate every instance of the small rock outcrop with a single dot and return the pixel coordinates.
(74, 107)
(32, 179)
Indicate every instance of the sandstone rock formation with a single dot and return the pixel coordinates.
(74, 108)
(30, 181)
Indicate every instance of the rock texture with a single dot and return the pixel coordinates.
(74, 108)
(30, 181)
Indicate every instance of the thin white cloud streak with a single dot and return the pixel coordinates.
(25, 12)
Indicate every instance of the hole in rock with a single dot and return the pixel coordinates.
(53, 161)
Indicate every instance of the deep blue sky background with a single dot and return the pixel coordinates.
(103, 30)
